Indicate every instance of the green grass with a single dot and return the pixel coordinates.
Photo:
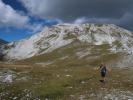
(118, 44)
(58, 53)
(70, 51)
(70, 36)
(99, 25)
(51, 82)
(52, 36)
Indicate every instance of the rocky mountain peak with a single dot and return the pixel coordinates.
(60, 35)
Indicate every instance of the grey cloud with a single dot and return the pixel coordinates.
(103, 11)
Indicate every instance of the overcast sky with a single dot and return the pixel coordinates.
(22, 18)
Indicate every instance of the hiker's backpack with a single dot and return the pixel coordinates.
(104, 70)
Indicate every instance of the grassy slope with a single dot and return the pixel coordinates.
(66, 82)
(68, 78)
(96, 55)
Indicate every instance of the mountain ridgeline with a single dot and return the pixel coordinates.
(2, 42)
(60, 63)
(64, 41)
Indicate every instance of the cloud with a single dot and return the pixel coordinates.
(125, 21)
(80, 20)
(96, 20)
(37, 26)
(79, 11)
(34, 28)
(37, 7)
(118, 12)
(11, 18)
(72, 9)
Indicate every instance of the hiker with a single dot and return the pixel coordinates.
(103, 71)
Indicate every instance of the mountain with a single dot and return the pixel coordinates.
(61, 61)
(72, 40)
(2, 42)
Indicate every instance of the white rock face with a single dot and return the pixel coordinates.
(8, 79)
(63, 34)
